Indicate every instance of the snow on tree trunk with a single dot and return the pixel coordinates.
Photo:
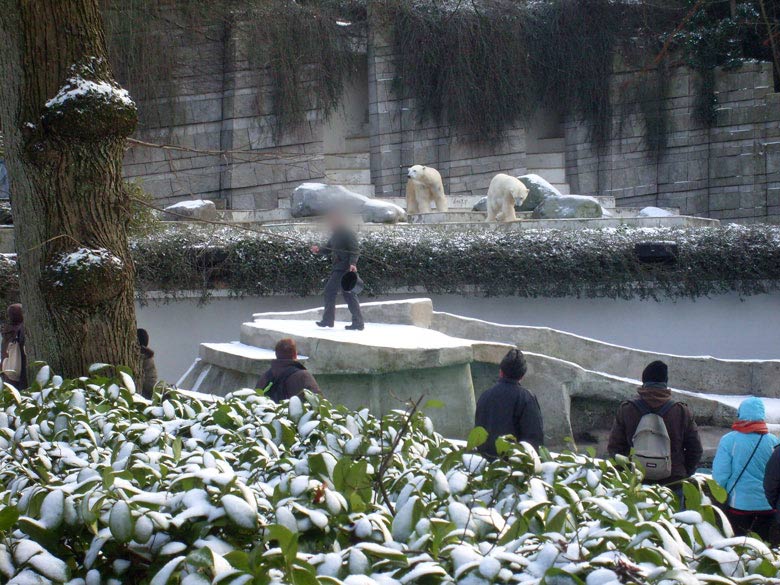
(66, 120)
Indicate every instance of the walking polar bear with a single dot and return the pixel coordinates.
(504, 193)
(424, 185)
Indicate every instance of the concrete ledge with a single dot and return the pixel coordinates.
(701, 374)
(239, 357)
(379, 348)
(416, 312)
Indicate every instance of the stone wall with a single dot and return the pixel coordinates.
(221, 104)
(730, 171)
(399, 139)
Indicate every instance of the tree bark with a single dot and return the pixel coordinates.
(65, 121)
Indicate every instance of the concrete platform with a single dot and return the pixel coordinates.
(409, 350)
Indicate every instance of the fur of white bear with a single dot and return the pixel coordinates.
(504, 193)
(424, 185)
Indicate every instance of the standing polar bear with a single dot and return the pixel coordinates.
(424, 185)
(504, 193)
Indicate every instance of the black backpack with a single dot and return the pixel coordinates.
(276, 389)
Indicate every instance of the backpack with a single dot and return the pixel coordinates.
(651, 443)
(12, 365)
(276, 385)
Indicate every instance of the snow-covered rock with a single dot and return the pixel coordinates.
(568, 207)
(191, 210)
(539, 189)
(654, 212)
(318, 199)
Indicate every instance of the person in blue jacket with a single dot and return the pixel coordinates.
(739, 467)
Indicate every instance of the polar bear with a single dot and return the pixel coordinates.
(504, 193)
(424, 185)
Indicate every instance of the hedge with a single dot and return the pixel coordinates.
(586, 263)
(593, 263)
(99, 486)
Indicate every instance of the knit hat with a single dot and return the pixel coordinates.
(656, 372)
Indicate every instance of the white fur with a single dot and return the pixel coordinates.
(504, 193)
(424, 185)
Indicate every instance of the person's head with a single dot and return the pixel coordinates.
(285, 349)
(656, 373)
(513, 366)
(335, 218)
(143, 337)
(15, 314)
(752, 409)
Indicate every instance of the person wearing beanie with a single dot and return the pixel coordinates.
(508, 408)
(655, 397)
(739, 467)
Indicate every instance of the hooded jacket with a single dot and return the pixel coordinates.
(680, 424)
(293, 385)
(734, 455)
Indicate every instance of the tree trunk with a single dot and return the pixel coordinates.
(65, 121)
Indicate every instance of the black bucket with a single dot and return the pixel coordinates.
(351, 282)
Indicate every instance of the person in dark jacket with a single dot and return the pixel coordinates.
(287, 377)
(13, 331)
(509, 409)
(344, 251)
(148, 367)
(772, 493)
(686, 449)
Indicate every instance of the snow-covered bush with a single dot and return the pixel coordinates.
(551, 263)
(98, 486)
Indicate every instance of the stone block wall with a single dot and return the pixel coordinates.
(221, 104)
(730, 171)
(399, 139)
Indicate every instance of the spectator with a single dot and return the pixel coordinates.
(772, 493)
(14, 355)
(739, 467)
(287, 377)
(509, 409)
(662, 432)
(148, 367)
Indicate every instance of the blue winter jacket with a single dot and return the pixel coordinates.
(732, 457)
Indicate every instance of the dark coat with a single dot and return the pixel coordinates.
(772, 480)
(680, 424)
(148, 372)
(343, 248)
(294, 384)
(509, 409)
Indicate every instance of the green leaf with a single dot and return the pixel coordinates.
(477, 437)
(203, 558)
(8, 517)
(717, 491)
(238, 559)
(108, 477)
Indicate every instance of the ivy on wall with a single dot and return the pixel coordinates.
(480, 65)
(306, 48)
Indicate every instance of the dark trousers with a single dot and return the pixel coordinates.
(762, 523)
(332, 289)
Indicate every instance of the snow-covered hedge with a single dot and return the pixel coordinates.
(591, 263)
(98, 486)
(526, 264)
